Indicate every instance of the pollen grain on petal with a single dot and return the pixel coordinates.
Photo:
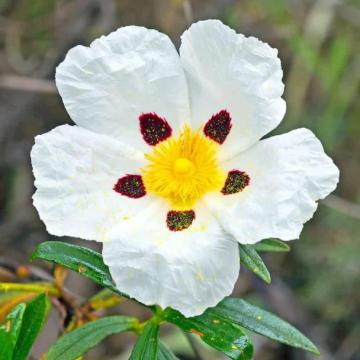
(179, 220)
(131, 186)
(218, 127)
(153, 128)
(236, 181)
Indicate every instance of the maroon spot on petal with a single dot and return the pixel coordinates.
(218, 127)
(131, 186)
(179, 220)
(154, 129)
(236, 181)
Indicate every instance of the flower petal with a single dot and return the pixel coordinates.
(134, 70)
(288, 174)
(75, 173)
(189, 270)
(228, 71)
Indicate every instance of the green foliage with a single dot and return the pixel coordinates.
(21, 328)
(272, 245)
(84, 261)
(251, 317)
(9, 332)
(220, 327)
(77, 342)
(146, 347)
(251, 259)
(221, 334)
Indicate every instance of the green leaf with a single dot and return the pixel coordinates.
(33, 320)
(217, 332)
(79, 259)
(9, 332)
(164, 353)
(146, 347)
(272, 245)
(77, 342)
(262, 322)
(251, 259)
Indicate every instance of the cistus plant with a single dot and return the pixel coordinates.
(166, 166)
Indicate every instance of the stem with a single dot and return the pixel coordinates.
(193, 346)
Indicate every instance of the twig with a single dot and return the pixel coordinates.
(344, 206)
(24, 83)
(188, 11)
(315, 32)
(281, 298)
(194, 346)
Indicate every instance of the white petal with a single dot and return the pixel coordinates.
(288, 173)
(229, 71)
(188, 270)
(105, 87)
(75, 171)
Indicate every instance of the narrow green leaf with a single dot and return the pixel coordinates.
(146, 347)
(272, 245)
(77, 342)
(9, 332)
(262, 322)
(79, 259)
(252, 260)
(33, 320)
(164, 353)
(217, 332)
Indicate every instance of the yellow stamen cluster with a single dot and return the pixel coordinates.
(183, 169)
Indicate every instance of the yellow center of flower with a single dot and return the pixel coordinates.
(183, 166)
(183, 169)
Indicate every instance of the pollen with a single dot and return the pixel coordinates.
(130, 186)
(183, 166)
(236, 181)
(179, 220)
(183, 169)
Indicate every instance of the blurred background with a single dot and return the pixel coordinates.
(316, 285)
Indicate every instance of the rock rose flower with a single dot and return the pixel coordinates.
(166, 164)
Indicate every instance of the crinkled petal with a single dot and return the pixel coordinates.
(188, 270)
(134, 70)
(75, 172)
(228, 71)
(288, 174)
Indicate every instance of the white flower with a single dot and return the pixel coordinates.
(166, 165)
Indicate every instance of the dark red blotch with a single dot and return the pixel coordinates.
(236, 181)
(154, 129)
(131, 186)
(218, 127)
(179, 220)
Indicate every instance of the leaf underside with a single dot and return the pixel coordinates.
(272, 245)
(77, 342)
(33, 320)
(146, 347)
(252, 260)
(9, 332)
